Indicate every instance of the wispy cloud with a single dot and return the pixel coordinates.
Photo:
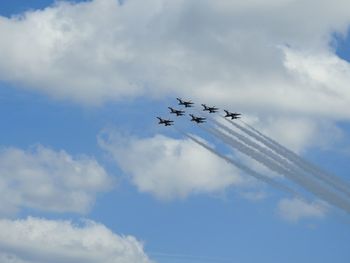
(295, 209)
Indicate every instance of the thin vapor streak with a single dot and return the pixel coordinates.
(310, 185)
(244, 168)
(336, 182)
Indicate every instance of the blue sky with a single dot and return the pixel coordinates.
(77, 72)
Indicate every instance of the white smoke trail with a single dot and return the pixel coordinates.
(270, 154)
(241, 166)
(307, 183)
(332, 180)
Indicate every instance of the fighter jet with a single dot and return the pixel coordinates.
(232, 115)
(165, 122)
(187, 104)
(210, 109)
(197, 119)
(177, 112)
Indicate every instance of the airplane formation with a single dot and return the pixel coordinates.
(189, 104)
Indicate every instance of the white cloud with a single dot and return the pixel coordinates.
(170, 168)
(52, 241)
(48, 180)
(220, 51)
(296, 209)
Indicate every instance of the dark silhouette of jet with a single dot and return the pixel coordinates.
(177, 112)
(197, 119)
(187, 104)
(210, 109)
(165, 122)
(232, 115)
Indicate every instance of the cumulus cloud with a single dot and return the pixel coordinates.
(296, 209)
(49, 180)
(220, 51)
(53, 241)
(169, 168)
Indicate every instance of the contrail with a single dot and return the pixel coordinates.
(241, 166)
(336, 182)
(307, 183)
(270, 154)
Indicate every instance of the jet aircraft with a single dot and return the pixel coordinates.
(187, 104)
(197, 119)
(165, 122)
(232, 115)
(210, 109)
(177, 112)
